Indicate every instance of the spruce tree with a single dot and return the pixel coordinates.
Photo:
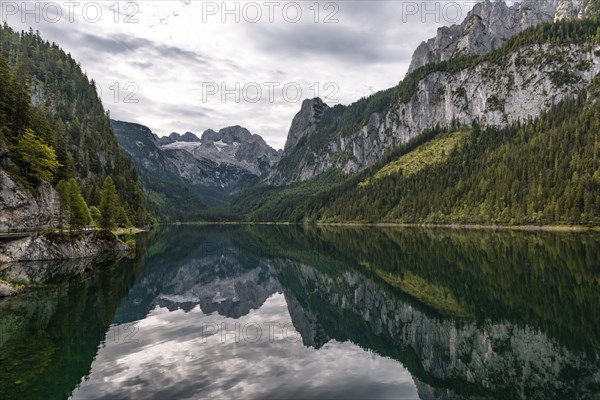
(109, 204)
(80, 214)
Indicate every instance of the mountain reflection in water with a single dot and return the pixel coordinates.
(297, 312)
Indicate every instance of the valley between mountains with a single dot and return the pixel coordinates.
(496, 122)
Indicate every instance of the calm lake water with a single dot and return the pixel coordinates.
(247, 312)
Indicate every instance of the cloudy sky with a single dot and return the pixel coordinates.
(192, 65)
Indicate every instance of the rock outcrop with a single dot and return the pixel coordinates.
(6, 291)
(59, 247)
(21, 208)
(573, 9)
(176, 137)
(487, 26)
(305, 121)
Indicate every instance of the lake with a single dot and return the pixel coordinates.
(264, 311)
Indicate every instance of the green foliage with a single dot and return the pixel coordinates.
(74, 211)
(35, 157)
(428, 154)
(68, 118)
(80, 214)
(96, 215)
(109, 204)
(122, 219)
(269, 203)
(63, 189)
(543, 172)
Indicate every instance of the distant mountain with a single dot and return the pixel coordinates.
(176, 137)
(182, 173)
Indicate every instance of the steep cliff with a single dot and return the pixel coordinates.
(525, 76)
(22, 207)
(487, 26)
(305, 122)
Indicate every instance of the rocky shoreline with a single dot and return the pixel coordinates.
(59, 247)
(56, 247)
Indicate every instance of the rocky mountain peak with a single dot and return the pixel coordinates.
(234, 134)
(305, 121)
(189, 137)
(487, 26)
(231, 134)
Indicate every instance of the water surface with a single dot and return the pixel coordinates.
(294, 312)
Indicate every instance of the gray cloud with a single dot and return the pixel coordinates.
(170, 53)
(121, 44)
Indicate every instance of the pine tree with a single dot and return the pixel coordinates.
(65, 203)
(80, 214)
(109, 204)
(96, 215)
(7, 98)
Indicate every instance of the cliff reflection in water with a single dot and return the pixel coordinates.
(443, 314)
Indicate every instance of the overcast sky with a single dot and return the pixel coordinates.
(175, 65)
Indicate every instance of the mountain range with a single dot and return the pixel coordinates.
(494, 123)
(184, 174)
(504, 72)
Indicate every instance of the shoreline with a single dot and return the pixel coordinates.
(526, 228)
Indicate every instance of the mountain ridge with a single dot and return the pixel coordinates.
(523, 77)
(207, 170)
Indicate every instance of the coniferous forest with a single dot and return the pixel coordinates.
(542, 172)
(54, 130)
(538, 172)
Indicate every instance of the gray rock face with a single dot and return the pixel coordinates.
(20, 208)
(495, 95)
(571, 9)
(41, 248)
(234, 146)
(305, 121)
(487, 26)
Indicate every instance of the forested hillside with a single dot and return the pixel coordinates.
(53, 129)
(541, 172)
